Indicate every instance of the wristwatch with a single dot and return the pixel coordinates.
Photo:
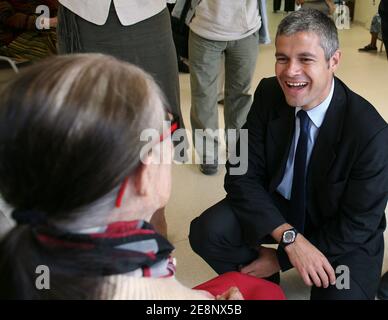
(288, 237)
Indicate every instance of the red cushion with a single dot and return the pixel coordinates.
(252, 288)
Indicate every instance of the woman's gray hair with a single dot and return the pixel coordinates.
(70, 130)
(311, 20)
(70, 134)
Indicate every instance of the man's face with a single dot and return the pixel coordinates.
(302, 70)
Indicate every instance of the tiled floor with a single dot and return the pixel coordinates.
(365, 73)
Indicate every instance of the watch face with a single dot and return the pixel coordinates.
(289, 236)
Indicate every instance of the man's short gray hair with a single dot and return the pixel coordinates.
(311, 20)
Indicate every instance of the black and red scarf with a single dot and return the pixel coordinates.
(130, 247)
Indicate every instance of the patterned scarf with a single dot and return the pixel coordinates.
(130, 247)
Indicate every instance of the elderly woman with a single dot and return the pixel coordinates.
(84, 184)
(136, 31)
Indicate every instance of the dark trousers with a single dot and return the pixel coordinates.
(217, 237)
(289, 5)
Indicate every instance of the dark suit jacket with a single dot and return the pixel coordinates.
(347, 179)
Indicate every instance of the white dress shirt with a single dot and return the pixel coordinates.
(128, 11)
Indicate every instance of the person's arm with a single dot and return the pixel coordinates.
(331, 6)
(247, 193)
(53, 6)
(312, 265)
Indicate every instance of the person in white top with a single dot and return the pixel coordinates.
(136, 31)
(128, 12)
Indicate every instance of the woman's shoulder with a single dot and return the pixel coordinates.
(124, 287)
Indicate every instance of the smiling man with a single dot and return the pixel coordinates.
(317, 179)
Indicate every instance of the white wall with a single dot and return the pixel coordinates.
(364, 11)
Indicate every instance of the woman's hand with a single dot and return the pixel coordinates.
(233, 293)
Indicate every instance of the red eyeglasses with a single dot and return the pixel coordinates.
(173, 127)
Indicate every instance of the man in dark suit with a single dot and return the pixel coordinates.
(316, 179)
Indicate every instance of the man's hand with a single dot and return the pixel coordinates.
(265, 265)
(233, 293)
(311, 264)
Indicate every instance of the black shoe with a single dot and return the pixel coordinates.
(368, 48)
(382, 294)
(209, 169)
(183, 67)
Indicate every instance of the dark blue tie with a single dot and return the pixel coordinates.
(298, 191)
